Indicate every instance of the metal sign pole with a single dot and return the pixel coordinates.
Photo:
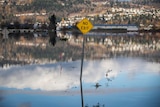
(84, 26)
(81, 71)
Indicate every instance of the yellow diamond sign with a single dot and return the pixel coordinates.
(84, 25)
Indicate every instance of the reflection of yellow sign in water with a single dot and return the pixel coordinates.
(85, 26)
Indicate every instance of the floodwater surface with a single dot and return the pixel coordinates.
(115, 80)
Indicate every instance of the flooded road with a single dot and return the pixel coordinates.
(120, 70)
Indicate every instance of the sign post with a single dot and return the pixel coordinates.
(84, 26)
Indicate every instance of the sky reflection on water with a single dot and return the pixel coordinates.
(122, 80)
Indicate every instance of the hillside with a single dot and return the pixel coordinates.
(60, 7)
(153, 3)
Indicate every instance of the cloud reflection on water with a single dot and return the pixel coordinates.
(63, 76)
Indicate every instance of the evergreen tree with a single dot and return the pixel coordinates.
(52, 24)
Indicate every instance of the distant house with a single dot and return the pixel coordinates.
(2, 1)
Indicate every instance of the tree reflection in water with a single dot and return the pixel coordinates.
(52, 37)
